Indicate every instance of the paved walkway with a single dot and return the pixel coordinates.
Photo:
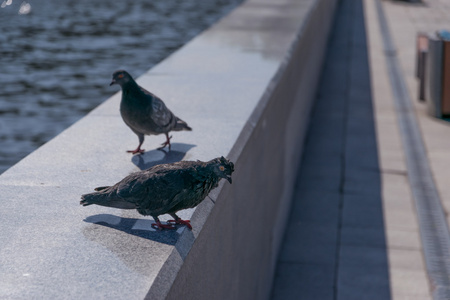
(354, 232)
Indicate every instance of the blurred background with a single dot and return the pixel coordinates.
(57, 58)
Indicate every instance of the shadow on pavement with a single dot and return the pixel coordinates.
(140, 227)
(156, 157)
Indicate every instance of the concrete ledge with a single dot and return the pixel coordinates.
(246, 86)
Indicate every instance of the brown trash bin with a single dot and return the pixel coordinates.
(445, 108)
(433, 71)
(421, 54)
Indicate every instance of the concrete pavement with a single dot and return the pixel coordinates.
(353, 231)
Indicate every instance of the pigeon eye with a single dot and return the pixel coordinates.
(222, 168)
(120, 76)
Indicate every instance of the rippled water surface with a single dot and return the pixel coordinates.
(57, 57)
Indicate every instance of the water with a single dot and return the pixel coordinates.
(57, 57)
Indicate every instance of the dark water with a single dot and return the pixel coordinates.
(57, 57)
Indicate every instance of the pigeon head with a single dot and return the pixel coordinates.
(223, 168)
(121, 77)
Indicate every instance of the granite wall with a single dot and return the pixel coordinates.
(234, 255)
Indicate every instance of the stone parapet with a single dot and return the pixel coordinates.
(245, 86)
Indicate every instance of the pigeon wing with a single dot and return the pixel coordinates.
(131, 189)
(156, 191)
(159, 113)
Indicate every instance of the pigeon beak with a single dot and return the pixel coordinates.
(112, 82)
(229, 179)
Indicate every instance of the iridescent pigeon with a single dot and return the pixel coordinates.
(164, 189)
(145, 113)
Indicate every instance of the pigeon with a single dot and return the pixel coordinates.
(164, 189)
(145, 113)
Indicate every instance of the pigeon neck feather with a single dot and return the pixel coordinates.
(130, 86)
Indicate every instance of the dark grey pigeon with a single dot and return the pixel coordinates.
(164, 189)
(145, 113)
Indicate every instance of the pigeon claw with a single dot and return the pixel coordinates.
(158, 225)
(167, 142)
(187, 223)
(137, 151)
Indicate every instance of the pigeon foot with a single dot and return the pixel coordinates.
(137, 151)
(181, 222)
(160, 226)
(167, 142)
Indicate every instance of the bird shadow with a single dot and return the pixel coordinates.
(161, 156)
(138, 227)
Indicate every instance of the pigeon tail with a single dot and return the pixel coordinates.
(181, 125)
(101, 188)
(93, 198)
(103, 198)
